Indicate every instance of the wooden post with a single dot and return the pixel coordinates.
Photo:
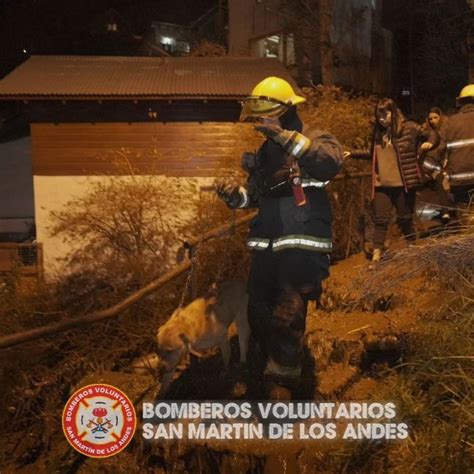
(39, 263)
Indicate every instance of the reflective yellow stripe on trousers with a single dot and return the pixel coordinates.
(305, 242)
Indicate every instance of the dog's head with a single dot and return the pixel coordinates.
(172, 338)
(172, 344)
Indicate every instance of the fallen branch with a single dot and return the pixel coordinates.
(37, 333)
(115, 310)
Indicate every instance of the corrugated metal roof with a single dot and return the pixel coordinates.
(105, 76)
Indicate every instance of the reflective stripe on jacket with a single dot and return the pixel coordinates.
(460, 138)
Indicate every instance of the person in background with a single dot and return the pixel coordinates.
(434, 160)
(396, 172)
(460, 149)
(436, 119)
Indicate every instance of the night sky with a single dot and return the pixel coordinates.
(70, 27)
(429, 36)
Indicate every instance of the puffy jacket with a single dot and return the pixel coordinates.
(280, 223)
(460, 166)
(406, 147)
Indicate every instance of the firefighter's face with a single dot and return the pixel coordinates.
(433, 119)
(384, 117)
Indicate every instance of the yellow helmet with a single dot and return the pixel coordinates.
(467, 92)
(270, 98)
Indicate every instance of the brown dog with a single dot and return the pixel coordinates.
(203, 325)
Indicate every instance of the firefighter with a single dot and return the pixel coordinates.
(290, 238)
(460, 148)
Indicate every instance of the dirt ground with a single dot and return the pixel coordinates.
(347, 349)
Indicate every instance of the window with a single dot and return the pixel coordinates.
(182, 47)
(271, 46)
(281, 47)
(168, 44)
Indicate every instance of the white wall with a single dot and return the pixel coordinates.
(52, 193)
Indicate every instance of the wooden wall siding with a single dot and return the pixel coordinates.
(173, 149)
(121, 111)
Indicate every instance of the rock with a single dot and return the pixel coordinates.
(381, 343)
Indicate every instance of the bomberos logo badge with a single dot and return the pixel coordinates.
(99, 420)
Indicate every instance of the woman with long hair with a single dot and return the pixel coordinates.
(396, 171)
(435, 160)
(436, 120)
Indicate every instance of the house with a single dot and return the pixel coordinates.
(173, 38)
(360, 48)
(174, 117)
(178, 39)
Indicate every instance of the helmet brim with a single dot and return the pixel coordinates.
(297, 99)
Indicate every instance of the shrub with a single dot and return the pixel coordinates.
(347, 116)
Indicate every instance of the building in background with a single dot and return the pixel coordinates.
(179, 39)
(172, 117)
(345, 36)
(172, 38)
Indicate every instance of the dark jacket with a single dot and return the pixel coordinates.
(438, 154)
(280, 222)
(460, 165)
(406, 147)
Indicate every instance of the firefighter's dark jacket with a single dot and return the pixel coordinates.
(406, 146)
(280, 223)
(461, 159)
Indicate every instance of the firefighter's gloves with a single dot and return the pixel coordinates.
(233, 196)
(426, 146)
(293, 142)
(273, 131)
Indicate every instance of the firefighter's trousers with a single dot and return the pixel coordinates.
(280, 286)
